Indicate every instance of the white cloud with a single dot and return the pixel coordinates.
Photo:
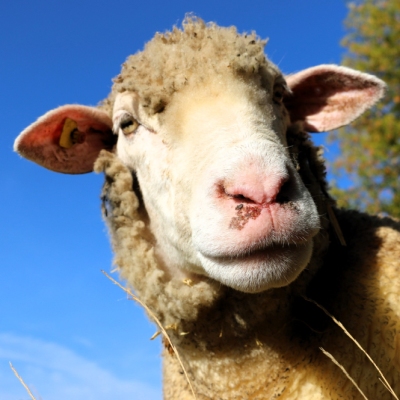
(54, 372)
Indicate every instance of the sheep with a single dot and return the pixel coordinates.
(220, 218)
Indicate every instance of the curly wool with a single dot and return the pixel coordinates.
(172, 61)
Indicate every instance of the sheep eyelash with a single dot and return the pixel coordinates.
(119, 121)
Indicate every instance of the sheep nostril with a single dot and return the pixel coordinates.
(284, 195)
(223, 191)
(242, 199)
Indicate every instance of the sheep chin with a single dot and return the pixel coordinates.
(272, 267)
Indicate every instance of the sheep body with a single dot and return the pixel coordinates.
(237, 339)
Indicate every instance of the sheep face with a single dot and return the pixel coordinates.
(221, 191)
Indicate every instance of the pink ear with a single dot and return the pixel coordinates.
(327, 97)
(67, 139)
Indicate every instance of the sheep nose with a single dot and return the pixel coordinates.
(257, 188)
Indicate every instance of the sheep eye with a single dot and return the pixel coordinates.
(279, 93)
(128, 124)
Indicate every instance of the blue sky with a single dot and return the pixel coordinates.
(70, 332)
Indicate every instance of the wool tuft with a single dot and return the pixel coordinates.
(188, 57)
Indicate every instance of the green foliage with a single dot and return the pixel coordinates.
(370, 148)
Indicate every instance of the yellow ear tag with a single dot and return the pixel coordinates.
(66, 138)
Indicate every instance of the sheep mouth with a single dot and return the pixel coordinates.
(265, 247)
(262, 269)
(272, 251)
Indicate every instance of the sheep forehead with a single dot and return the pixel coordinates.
(212, 108)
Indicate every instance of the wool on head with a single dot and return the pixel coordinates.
(189, 57)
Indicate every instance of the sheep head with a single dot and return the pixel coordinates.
(206, 138)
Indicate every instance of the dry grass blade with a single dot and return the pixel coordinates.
(384, 384)
(333, 359)
(157, 334)
(158, 323)
(338, 323)
(335, 224)
(22, 382)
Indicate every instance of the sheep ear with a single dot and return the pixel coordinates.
(328, 96)
(67, 139)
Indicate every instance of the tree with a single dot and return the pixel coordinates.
(370, 149)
